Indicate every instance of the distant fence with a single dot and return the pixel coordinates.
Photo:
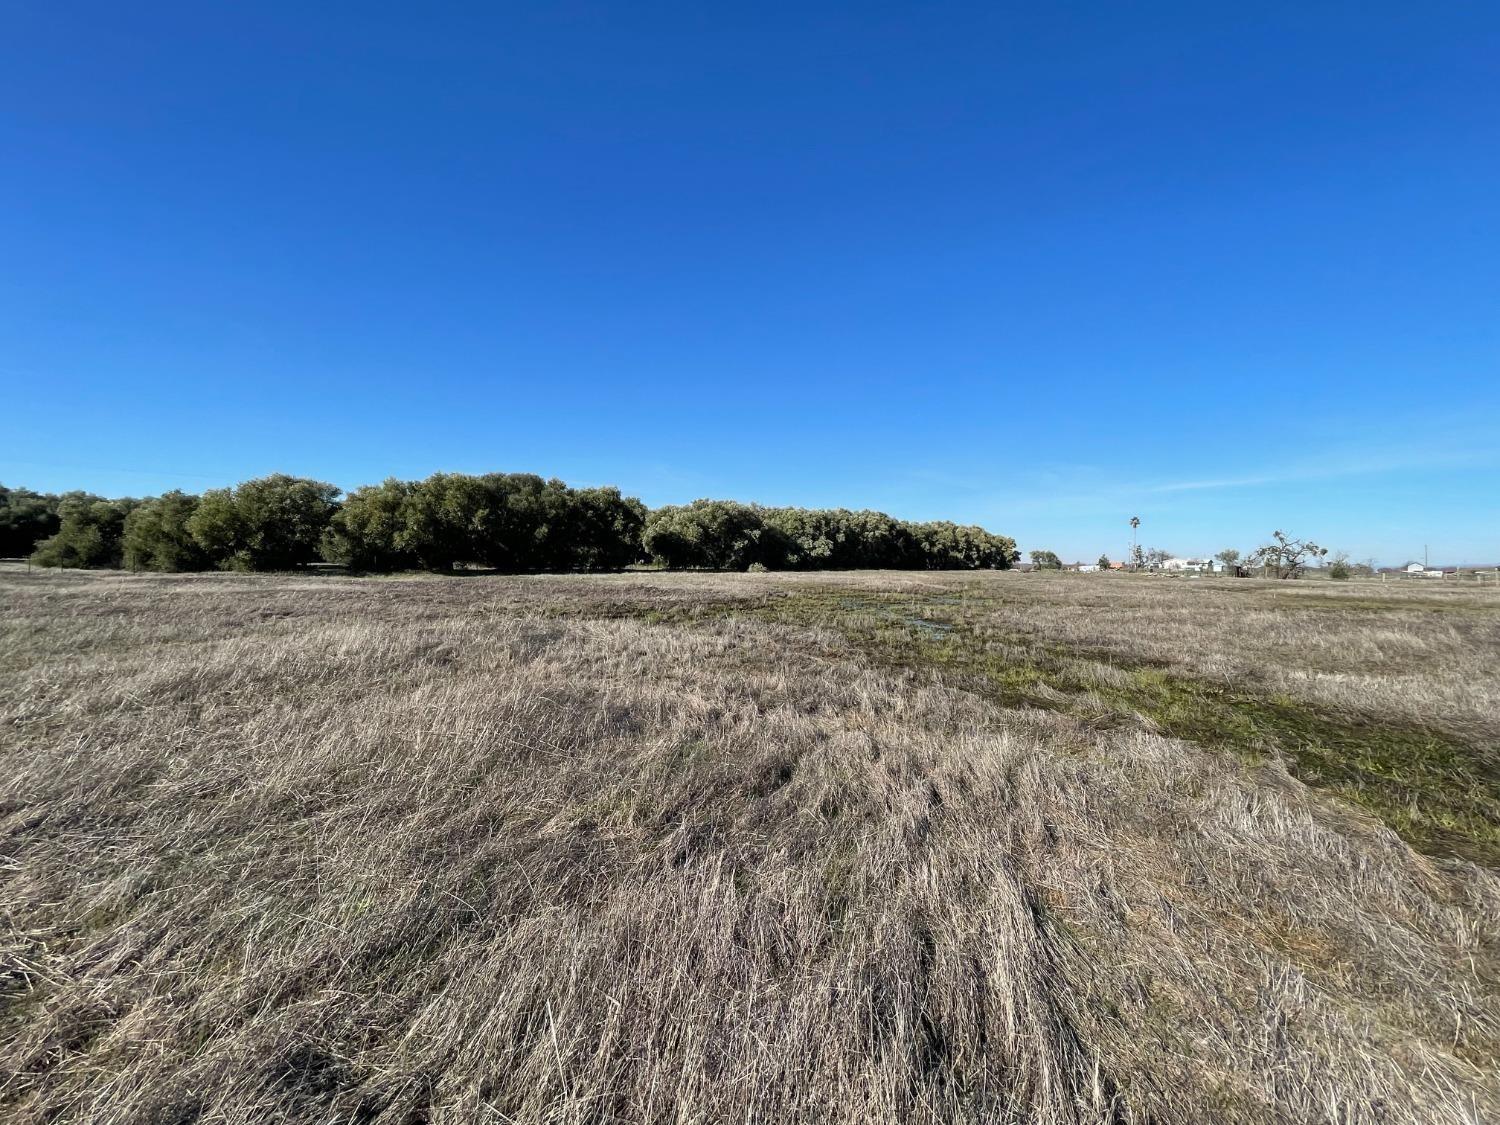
(1490, 577)
(1485, 576)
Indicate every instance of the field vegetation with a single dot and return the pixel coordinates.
(515, 523)
(825, 847)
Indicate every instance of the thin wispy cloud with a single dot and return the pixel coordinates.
(1364, 465)
(999, 495)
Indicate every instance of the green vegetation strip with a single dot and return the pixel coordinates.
(1437, 792)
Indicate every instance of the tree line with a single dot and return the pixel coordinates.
(724, 535)
(512, 522)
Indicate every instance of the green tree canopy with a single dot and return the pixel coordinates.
(514, 522)
(724, 535)
(271, 523)
(90, 532)
(711, 534)
(26, 518)
(368, 532)
(156, 535)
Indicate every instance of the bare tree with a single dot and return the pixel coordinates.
(1286, 557)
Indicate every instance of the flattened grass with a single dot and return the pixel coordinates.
(661, 848)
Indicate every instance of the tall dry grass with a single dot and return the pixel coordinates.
(645, 848)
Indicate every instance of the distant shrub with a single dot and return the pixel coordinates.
(368, 530)
(26, 518)
(509, 521)
(814, 539)
(444, 520)
(724, 535)
(272, 523)
(514, 522)
(543, 525)
(605, 529)
(711, 535)
(949, 546)
(1339, 570)
(156, 535)
(757, 568)
(90, 532)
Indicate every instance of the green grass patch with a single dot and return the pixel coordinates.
(1435, 791)
(1440, 794)
(1292, 601)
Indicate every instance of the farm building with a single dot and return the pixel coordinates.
(1192, 564)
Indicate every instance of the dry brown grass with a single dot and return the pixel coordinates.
(698, 848)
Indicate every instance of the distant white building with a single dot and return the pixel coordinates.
(1192, 564)
(1421, 570)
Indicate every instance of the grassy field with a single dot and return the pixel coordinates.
(755, 848)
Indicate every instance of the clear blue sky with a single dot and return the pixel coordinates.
(1040, 266)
